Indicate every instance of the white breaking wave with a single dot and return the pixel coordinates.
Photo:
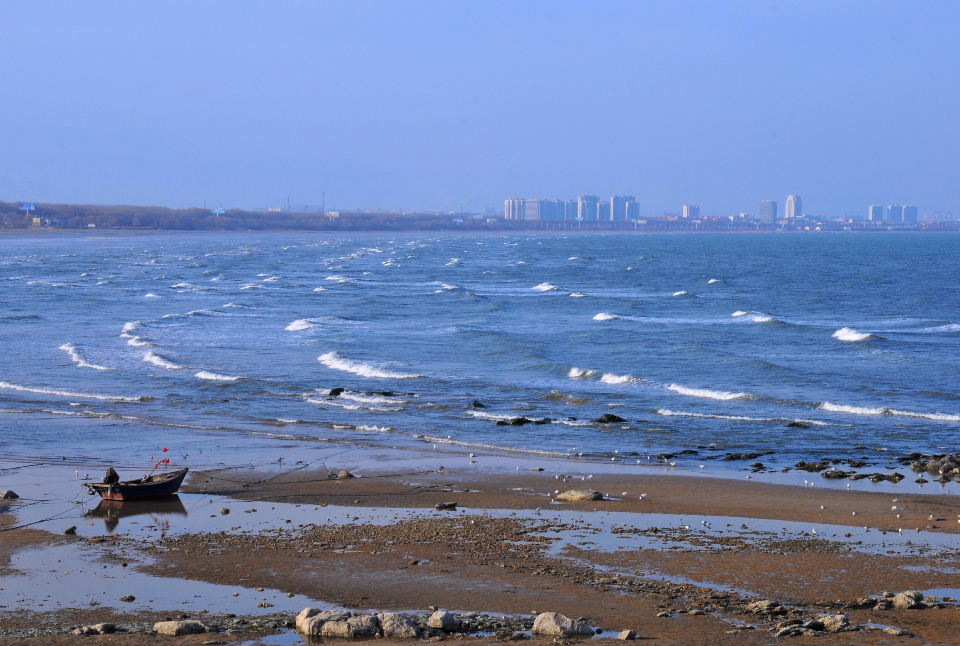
(5, 385)
(679, 413)
(300, 325)
(493, 447)
(129, 328)
(157, 360)
(212, 376)
(850, 335)
(485, 415)
(581, 373)
(139, 342)
(604, 316)
(713, 280)
(545, 287)
(863, 410)
(252, 286)
(453, 261)
(151, 295)
(187, 314)
(949, 327)
(71, 350)
(373, 399)
(337, 279)
(339, 404)
(706, 393)
(610, 378)
(334, 361)
(681, 293)
(577, 295)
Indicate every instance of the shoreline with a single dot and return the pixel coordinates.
(682, 544)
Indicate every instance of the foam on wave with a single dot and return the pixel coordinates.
(617, 380)
(492, 447)
(213, 376)
(870, 411)
(334, 361)
(187, 314)
(545, 287)
(605, 316)
(581, 373)
(71, 350)
(300, 325)
(682, 292)
(5, 385)
(666, 412)
(139, 342)
(851, 336)
(161, 362)
(706, 393)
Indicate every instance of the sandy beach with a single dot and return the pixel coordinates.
(678, 559)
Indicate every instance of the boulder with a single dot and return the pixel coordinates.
(554, 624)
(343, 474)
(609, 418)
(176, 628)
(835, 623)
(310, 621)
(579, 495)
(104, 628)
(360, 627)
(335, 392)
(911, 599)
(765, 607)
(8, 494)
(398, 627)
(444, 620)
(626, 635)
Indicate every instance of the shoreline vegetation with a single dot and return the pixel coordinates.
(419, 553)
(81, 217)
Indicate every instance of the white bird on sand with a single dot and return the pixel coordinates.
(853, 514)
(823, 507)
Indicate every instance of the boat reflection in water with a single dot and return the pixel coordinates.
(111, 511)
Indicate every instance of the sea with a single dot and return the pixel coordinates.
(225, 347)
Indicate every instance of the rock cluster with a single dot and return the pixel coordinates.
(946, 466)
(342, 624)
(579, 495)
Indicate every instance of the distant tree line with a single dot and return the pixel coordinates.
(81, 216)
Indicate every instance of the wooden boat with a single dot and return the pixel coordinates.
(155, 486)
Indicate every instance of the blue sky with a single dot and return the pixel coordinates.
(443, 105)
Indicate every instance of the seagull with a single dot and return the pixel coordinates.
(823, 507)
(854, 514)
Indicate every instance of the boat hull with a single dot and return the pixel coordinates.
(153, 487)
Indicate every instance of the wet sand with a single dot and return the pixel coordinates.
(680, 545)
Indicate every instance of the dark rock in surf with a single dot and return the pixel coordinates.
(336, 392)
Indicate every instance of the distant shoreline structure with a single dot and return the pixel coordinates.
(76, 217)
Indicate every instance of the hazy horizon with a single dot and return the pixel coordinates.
(443, 106)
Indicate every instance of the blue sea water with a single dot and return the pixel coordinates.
(118, 344)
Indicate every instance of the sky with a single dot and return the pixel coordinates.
(450, 105)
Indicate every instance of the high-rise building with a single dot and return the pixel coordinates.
(587, 207)
(910, 214)
(875, 213)
(633, 210)
(768, 212)
(603, 211)
(691, 211)
(618, 206)
(513, 209)
(570, 210)
(793, 209)
(894, 213)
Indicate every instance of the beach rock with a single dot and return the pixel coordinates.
(476, 403)
(70, 531)
(343, 474)
(579, 495)
(336, 392)
(95, 629)
(360, 627)
(176, 628)
(310, 621)
(128, 598)
(8, 494)
(766, 607)
(445, 620)
(911, 599)
(398, 627)
(446, 506)
(812, 466)
(609, 418)
(556, 625)
(836, 474)
(626, 635)
(835, 623)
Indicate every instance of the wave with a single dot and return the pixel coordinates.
(755, 317)
(18, 317)
(71, 350)
(129, 328)
(160, 362)
(864, 410)
(577, 295)
(334, 361)
(139, 342)
(491, 416)
(679, 413)
(581, 373)
(610, 378)
(335, 403)
(187, 314)
(213, 376)
(681, 293)
(362, 427)
(319, 289)
(300, 325)
(5, 385)
(706, 393)
(604, 316)
(453, 261)
(492, 447)
(852, 336)
(252, 286)
(948, 327)
(151, 295)
(713, 281)
(337, 279)
(545, 287)
(373, 399)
